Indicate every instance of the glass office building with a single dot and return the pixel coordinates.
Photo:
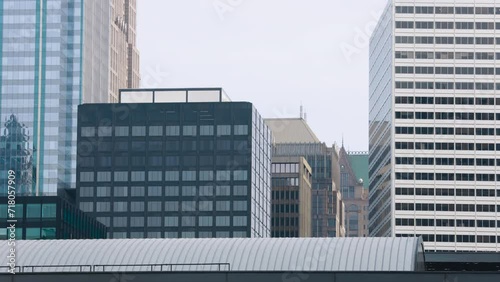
(49, 217)
(180, 169)
(46, 72)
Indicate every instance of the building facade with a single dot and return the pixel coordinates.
(291, 183)
(123, 52)
(175, 169)
(56, 55)
(48, 218)
(433, 135)
(354, 196)
(293, 137)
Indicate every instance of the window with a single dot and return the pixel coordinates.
(120, 206)
(239, 221)
(138, 175)
(86, 191)
(189, 130)
(206, 206)
(86, 176)
(88, 131)
(119, 221)
(103, 191)
(137, 206)
(155, 176)
(205, 221)
(241, 130)
(49, 210)
(154, 206)
(104, 131)
(188, 190)
(404, 9)
(154, 191)
(188, 206)
(171, 221)
(240, 206)
(172, 176)
(137, 191)
(172, 130)
(171, 191)
(222, 221)
(154, 221)
(118, 176)
(138, 131)
(223, 130)
(172, 206)
(156, 130)
(103, 207)
(121, 131)
(223, 175)
(137, 221)
(188, 221)
(206, 130)
(222, 190)
(189, 175)
(119, 191)
(86, 206)
(222, 206)
(206, 175)
(240, 175)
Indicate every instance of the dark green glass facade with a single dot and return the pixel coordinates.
(49, 217)
(175, 170)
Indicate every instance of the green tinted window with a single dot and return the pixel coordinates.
(49, 210)
(32, 233)
(33, 210)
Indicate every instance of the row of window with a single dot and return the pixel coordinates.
(410, 191)
(447, 55)
(447, 70)
(447, 40)
(447, 10)
(284, 195)
(29, 211)
(454, 238)
(446, 25)
(203, 205)
(447, 176)
(447, 222)
(448, 115)
(447, 161)
(284, 181)
(169, 161)
(285, 168)
(284, 222)
(182, 234)
(168, 145)
(285, 208)
(447, 146)
(174, 175)
(422, 100)
(446, 207)
(174, 221)
(447, 85)
(159, 191)
(159, 130)
(447, 131)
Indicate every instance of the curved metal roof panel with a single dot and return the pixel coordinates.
(239, 254)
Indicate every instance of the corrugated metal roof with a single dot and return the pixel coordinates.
(291, 130)
(238, 254)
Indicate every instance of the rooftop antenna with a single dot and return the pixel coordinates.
(301, 110)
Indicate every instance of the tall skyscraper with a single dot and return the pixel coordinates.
(434, 135)
(55, 55)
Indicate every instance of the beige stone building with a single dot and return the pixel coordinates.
(291, 182)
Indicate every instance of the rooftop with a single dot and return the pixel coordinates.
(220, 254)
(173, 95)
(291, 130)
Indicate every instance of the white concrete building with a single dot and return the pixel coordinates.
(435, 123)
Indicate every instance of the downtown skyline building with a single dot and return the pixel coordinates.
(433, 124)
(57, 54)
(182, 163)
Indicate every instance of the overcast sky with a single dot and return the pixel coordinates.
(276, 54)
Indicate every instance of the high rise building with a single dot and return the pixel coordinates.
(55, 55)
(188, 163)
(433, 124)
(124, 56)
(354, 196)
(294, 138)
(291, 183)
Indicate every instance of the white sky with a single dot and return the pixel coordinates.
(276, 54)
